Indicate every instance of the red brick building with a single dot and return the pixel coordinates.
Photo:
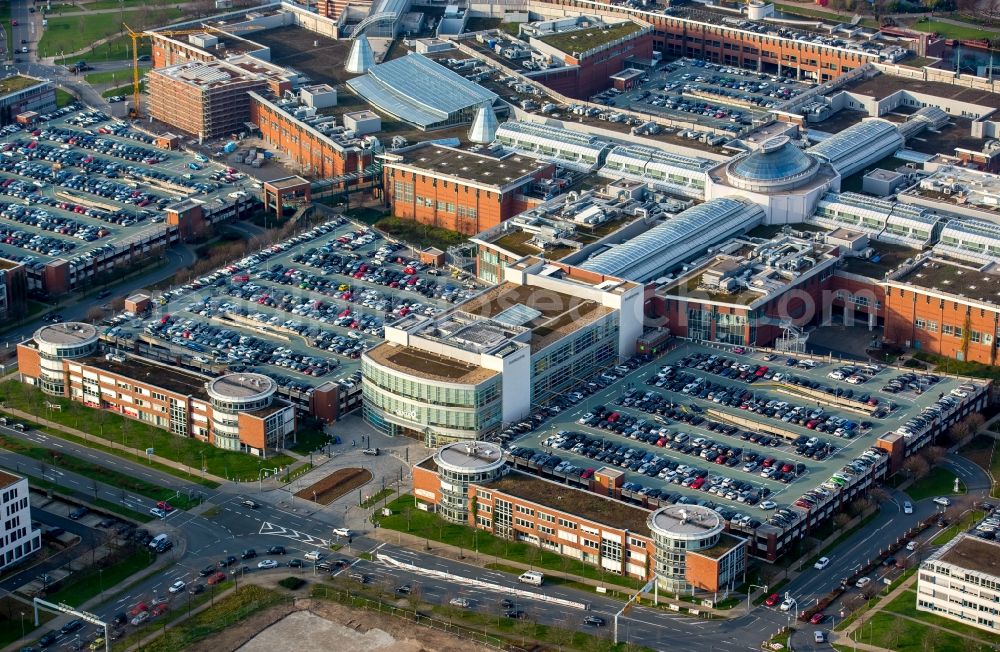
(459, 190)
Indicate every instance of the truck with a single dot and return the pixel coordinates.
(533, 578)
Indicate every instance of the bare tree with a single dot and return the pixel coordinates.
(916, 466)
(841, 520)
(934, 454)
(896, 627)
(869, 591)
(94, 314)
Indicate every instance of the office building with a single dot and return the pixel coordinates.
(460, 375)
(19, 537)
(961, 581)
(459, 190)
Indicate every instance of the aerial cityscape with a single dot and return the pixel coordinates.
(550, 325)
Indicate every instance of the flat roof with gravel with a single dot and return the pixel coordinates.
(70, 332)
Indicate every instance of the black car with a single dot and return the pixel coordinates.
(72, 626)
(295, 563)
(249, 553)
(47, 639)
(404, 589)
(208, 570)
(276, 550)
(516, 614)
(196, 589)
(507, 603)
(78, 513)
(594, 621)
(120, 619)
(228, 561)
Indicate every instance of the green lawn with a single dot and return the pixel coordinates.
(308, 440)
(947, 30)
(64, 98)
(239, 605)
(5, 23)
(73, 33)
(878, 631)
(939, 482)
(103, 424)
(123, 481)
(124, 90)
(114, 50)
(419, 234)
(407, 518)
(960, 368)
(906, 604)
(952, 531)
(376, 498)
(114, 76)
(87, 583)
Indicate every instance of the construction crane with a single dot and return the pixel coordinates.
(135, 36)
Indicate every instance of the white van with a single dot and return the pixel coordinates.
(158, 540)
(533, 578)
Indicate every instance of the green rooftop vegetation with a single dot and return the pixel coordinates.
(16, 83)
(581, 40)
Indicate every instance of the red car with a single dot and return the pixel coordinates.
(160, 609)
(216, 578)
(817, 618)
(165, 506)
(772, 600)
(138, 609)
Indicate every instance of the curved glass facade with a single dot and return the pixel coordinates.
(778, 165)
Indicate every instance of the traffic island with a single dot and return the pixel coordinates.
(335, 485)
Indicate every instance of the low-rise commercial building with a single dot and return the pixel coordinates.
(461, 374)
(19, 538)
(459, 190)
(961, 581)
(13, 289)
(468, 483)
(232, 411)
(20, 93)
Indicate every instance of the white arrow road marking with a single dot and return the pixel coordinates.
(295, 535)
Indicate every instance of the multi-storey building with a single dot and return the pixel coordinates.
(233, 411)
(463, 373)
(459, 190)
(469, 483)
(960, 581)
(207, 99)
(19, 538)
(13, 289)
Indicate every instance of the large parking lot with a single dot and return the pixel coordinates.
(299, 310)
(79, 181)
(744, 432)
(707, 94)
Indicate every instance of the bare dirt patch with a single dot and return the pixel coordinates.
(318, 623)
(335, 485)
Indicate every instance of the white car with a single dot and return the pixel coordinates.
(768, 504)
(941, 500)
(460, 602)
(313, 555)
(863, 582)
(911, 546)
(787, 604)
(822, 563)
(342, 532)
(267, 563)
(177, 586)
(907, 507)
(157, 512)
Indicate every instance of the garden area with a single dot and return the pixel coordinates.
(82, 586)
(407, 518)
(419, 235)
(959, 367)
(112, 427)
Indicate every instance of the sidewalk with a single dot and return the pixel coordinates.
(161, 562)
(444, 550)
(112, 444)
